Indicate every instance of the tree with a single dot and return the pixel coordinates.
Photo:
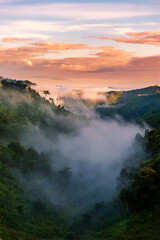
(122, 179)
(51, 100)
(46, 92)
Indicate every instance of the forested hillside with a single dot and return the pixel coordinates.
(55, 184)
(24, 214)
(135, 105)
(135, 212)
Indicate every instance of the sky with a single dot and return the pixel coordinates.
(81, 44)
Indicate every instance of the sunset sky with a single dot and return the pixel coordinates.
(89, 44)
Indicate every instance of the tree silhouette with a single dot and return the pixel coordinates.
(51, 100)
(46, 92)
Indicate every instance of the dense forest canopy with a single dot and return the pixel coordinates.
(67, 176)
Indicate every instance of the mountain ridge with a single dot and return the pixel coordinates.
(134, 105)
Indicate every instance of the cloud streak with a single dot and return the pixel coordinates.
(60, 46)
(83, 11)
(38, 49)
(151, 38)
(13, 40)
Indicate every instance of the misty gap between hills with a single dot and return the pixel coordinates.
(93, 150)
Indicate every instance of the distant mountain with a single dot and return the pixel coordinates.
(140, 105)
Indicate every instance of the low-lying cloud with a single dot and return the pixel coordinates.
(85, 153)
(94, 150)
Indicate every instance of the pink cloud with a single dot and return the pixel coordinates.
(13, 40)
(151, 38)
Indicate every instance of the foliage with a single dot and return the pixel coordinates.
(25, 214)
(153, 141)
(138, 226)
(19, 210)
(136, 105)
(113, 96)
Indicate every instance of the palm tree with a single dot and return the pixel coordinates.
(46, 92)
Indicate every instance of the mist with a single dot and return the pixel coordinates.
(94, 151)
(85, 153)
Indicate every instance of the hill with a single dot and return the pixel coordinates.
(24, 214)
(136, 105)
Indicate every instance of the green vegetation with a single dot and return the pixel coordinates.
(135, 212)
(136, 105)
(25, 213)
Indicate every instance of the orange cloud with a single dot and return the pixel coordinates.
(13, 40)
(111, 52)
(108, 57)
(138, 72)
(105, 67)
(60, 46)
(36, 50)
(151, 38)
(19, 53)
(100, 71)
(39, 49)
